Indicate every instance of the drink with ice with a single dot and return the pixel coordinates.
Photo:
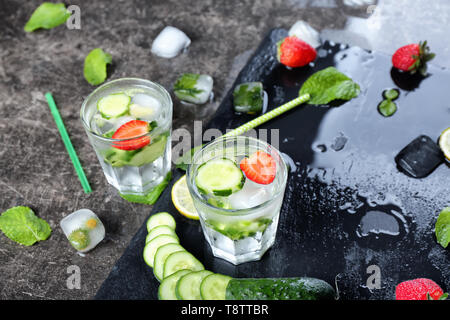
(237, 185)
(128, 122)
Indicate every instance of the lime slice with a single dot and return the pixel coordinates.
(182, 199)
(444, 143)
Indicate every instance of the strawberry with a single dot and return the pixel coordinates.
(293, 52)
(260, 167)
(413, 58)
(419, 289)
(135, 129)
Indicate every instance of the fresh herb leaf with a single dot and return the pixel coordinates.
(185, 86)
(442, 227)
(95, 66)
(21, 225)
(151, 197)
(48, 15)
(391, 94)
(248, 97)
(387, 108)
(329, 84)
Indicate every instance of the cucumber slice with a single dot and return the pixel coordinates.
(166, 290)
(214, 287)
(188, 287)
(181, 260)
(220, 177)
(160, 258)
(149, 153)
(153, 245)
(113, 105)
(302, 288)
(159, 230)
(161, 218)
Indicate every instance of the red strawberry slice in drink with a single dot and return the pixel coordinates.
(133, 130)
(419, 289)
(260, 167)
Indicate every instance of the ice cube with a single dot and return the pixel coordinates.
(170, 42)
(145, 107)
(251, 195)
(419, 158)
(248, 97)
(305, 32)
(83, 229)
(118, 122)
(101, 125)
(194, 88)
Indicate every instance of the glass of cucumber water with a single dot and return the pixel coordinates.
(237, 184)
(128, 122)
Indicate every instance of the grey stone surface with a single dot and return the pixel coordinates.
(35, 169)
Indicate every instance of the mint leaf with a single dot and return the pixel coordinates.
(391, 94)
(20, 224)
(442, 227)
(329, 84)
(48, 15)
(95, 66)
(151, 197)
(185, 86)
(387, 108)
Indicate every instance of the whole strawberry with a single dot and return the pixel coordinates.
(293, 52)
(419, 289)
(413, 58)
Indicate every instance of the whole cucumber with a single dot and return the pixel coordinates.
(302, 288)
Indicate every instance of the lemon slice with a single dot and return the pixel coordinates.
(444, 143)
(182, 199)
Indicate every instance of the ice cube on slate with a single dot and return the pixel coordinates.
(305, 32)
(170, 42)
(419, 158)
(249, 97)
(83, 229)
(194, 88)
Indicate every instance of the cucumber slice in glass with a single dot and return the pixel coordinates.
(166, 290)
(113, 105)
(160, 258)
(181, 260)
(153, 245)
(188, 287)
(220, 177)
(160, 218)
(214, 287)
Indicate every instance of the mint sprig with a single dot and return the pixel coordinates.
(21, 225)
(442, 227)
(329, 84)
(48, 15)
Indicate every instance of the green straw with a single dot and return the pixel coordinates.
(187, 157)
(268, 116)
(69, 147)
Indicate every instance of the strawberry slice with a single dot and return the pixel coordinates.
(132, 129)
(260, 167)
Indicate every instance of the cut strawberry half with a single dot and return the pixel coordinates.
(260, 167)
(132, 130)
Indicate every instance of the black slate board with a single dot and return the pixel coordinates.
(344, 158)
